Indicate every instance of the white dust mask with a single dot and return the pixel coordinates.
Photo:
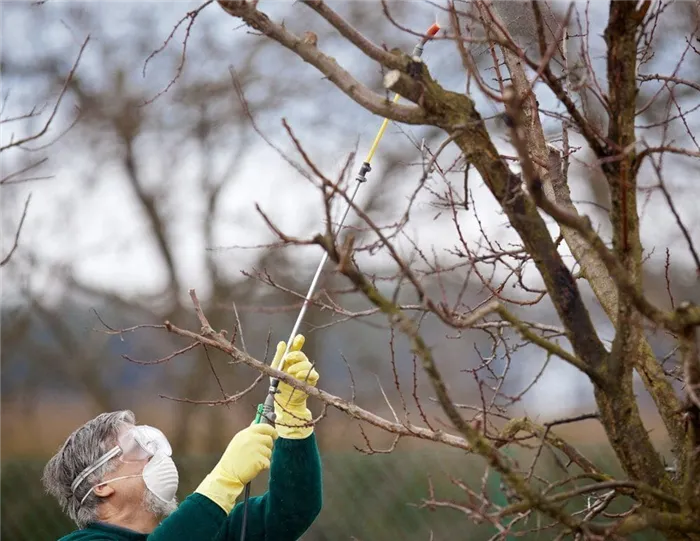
(161, 477)
(136, 444)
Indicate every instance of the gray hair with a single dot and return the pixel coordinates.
(82, 449)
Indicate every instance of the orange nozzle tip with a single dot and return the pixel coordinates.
(434, 29)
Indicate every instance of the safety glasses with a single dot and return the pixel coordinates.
(136, 444)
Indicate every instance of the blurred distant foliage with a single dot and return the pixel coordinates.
(365, 497)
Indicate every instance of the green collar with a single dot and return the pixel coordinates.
(116, 532)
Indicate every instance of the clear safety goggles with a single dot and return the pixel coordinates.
(136, 444)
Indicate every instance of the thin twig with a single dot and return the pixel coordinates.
(163, 359)
(681, 225)
(228, 400)
(240, 328)
(15, 243)
(192, 16)
(216, 376)
(206, 327)
(54, 111)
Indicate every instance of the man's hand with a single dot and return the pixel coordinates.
(247, 454)
(290, 404)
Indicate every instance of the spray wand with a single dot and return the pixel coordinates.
(266, 411)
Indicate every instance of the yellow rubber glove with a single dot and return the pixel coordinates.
(293, 414)
(247, 454)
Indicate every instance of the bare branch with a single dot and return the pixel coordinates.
(674, 211)
(371, 101)
(191, 16)
(224, 401)
(18, 143)
(8, 179)
(551, 347)
(405, 429)
(206, 327)
(166, 358)
(15, 243)
(378, 54)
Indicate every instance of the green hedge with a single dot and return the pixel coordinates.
(365, 498)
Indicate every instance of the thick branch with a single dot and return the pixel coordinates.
(666, 522)
(327, 65)
(620, 36)
(354, 36)
(621, 39)
(691, 365)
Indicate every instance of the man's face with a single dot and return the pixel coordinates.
(128, 485)
(128, 490)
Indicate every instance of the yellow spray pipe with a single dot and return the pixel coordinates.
(380, 134)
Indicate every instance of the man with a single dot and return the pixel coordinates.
(117, 480)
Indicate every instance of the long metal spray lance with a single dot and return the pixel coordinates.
(266, 411)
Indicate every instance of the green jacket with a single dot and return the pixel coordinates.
(288, 508)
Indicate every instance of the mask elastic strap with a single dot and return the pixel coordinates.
(106, 483)
(109, 455)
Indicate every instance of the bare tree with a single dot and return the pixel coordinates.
(619, 121)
